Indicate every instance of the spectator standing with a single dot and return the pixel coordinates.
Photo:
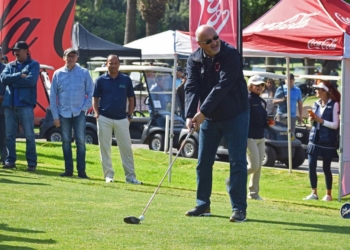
(256, 139)
(294, 98)
(180, 91)
(20, 78)
(216, 98)
(323, 136)
(70, 97)
(112, 91)
(178, 76)
(3, 150)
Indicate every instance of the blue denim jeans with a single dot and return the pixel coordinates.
(78, 124)
(235, 132)
(24, 116)
(3, 150)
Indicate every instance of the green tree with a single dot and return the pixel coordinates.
(152, 11)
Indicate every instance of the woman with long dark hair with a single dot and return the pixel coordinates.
(324, 118)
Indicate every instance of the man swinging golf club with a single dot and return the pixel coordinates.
(216, 81)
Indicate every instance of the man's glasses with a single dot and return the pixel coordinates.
(207, 42)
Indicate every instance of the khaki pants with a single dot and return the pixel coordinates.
(105, 127)
(255, 156)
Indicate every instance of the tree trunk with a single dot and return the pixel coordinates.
(130, 24)
(310, 62)
(151, 27)
(270, 61)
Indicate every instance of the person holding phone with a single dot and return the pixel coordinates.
(324, 118)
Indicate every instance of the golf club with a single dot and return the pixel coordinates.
(135, 220)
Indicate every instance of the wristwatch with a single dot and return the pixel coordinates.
(130, 116)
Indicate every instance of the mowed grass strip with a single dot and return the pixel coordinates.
(43, 211)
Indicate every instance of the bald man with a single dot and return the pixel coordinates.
(215, 81)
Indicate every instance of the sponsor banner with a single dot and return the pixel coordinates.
(345, 211)
(295, 27)
(46, 26)
(221, 14)
(339, 12)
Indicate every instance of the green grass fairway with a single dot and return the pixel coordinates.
(43, 211)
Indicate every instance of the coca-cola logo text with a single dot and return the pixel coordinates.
(296, 22)
(29, 24)
(345, 20)
(327, 44)
(218, 17)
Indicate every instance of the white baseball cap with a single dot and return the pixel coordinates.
(321, 86)
(256, 80)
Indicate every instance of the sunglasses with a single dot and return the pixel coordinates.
(207, 42)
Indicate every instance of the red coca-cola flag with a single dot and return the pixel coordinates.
(46, 26)
(221, 14)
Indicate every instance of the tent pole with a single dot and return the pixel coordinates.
(290, 155)
(171, 135)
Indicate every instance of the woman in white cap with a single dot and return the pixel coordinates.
(323, 136)
(256, 140)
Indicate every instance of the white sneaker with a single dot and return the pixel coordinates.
(312, 196)
(327, 198)
(109, 179)
(134, 181)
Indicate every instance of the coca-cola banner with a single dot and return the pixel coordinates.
(221, 14)
(339, 11)
(45, 25)
(296, 27)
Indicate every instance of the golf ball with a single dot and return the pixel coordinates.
(141, 217)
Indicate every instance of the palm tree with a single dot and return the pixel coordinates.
(130, 22)
(152, 11)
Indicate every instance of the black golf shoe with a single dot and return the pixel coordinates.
(199, 211)
(238, 216)
(66, 174)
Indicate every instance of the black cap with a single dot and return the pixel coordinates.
(179, 69)
(291, 76)
(70, 50)
(20, 45)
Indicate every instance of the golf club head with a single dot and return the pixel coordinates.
(131, 220)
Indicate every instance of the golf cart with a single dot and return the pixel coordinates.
(143, 129)
(156, 101)
(276, 138)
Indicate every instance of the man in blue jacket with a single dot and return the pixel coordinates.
(3, 151)
(20, 78)
(216, 101)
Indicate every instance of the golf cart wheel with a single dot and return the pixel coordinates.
(54, 135)
(91, 137)
(156, 142)
(190, 149)
(298, 159)
(269, 156)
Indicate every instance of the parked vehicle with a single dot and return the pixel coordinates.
(143, 129)
(276, 139)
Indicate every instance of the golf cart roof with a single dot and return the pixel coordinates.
(319, 77)
(137, 68)
(44, 66)
(250, 73)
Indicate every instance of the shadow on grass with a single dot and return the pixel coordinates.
(7, 181)
(308, 227)
(7, 247)
(3, 238)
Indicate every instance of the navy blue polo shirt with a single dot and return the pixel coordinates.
(113, 94)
